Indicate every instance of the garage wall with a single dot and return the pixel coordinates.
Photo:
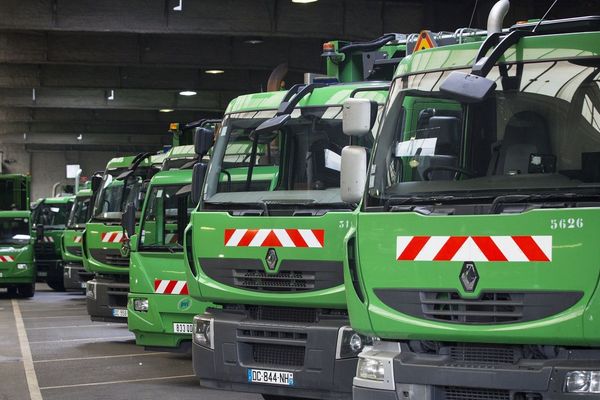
(48, 167)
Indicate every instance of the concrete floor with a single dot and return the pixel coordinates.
(74, 358)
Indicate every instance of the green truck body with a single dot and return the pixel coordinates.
(103, 237)
(267, 250)
(50, 218)
(17, 267)
(160, 310)
(75, 276)
(474, 256)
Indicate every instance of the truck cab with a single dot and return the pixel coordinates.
(474, 258)
(104, 254)
(75, 276)
(17, 267)
(49, 220)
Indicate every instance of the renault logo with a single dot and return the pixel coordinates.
(469, 276)
(271, 259)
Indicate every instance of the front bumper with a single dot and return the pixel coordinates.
(75, 276)
(155, 328)
(11, 275)
(420, 376)
(49, 270)
(107, 298)
(308, 350)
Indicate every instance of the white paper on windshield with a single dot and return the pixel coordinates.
(332, 160)
(54, 209)
(410, 148)
(21, 237)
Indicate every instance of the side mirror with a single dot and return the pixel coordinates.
(271, 125)
(359, 116)
(198, 175)
(96, 183)
(128, 220)
(353, 173)
(467, 88)
(203, 140)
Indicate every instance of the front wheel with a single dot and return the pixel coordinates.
(27, 290)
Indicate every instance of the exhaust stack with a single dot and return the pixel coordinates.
(496, 16)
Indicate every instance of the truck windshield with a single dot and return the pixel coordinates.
(80, 213)
(52, 216)
(14, 231)
(539, 134)
(298, 164)
(115, 194)
(165, 218)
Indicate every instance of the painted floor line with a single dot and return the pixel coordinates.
(73, 326)
(116, 382)
(59, 316)
(32, 382)
(154, 353)
(100, 339)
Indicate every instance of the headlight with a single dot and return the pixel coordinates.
(22, 267)
(204, 331)
(90, 290)
(582, 382)
(369, 368)
(351, 343)
(140, 304)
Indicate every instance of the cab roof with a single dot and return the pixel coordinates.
(15, 214)
(58, 200)
(332, 95)
(172, 177)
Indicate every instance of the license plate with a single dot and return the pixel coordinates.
(83, 285)
(179, 327)
(272, 377)
(119, 312)
(42, 273)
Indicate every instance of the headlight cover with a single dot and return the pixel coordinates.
(371, 369)
(582, 382)
(204, 332)
(140, 305)
(351, 343)
(22, 267)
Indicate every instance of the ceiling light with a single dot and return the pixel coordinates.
(255, 40)
(303, 1)
(166, 110)
(214, 71)
(187, 93)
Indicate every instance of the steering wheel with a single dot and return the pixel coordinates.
(459, 171)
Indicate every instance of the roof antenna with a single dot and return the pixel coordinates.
(473, 13)
(545, 15)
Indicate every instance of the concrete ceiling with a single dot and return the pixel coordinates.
(104, 68)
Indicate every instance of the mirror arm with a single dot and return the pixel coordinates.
(484, 64)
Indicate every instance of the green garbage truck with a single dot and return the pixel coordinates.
(473, 260)
(75, 276)
(17, 267)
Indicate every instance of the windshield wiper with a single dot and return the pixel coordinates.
(391, 202)
(544, 197)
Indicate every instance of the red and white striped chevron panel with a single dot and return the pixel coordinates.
(162, 286)
(77, 239)
(474, 248)
(7, 259)
(314, 238)
(48, 239)
(171, 238)
(112, 237)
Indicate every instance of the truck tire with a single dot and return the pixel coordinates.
(27, 290)
(59, 286)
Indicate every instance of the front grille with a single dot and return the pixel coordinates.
(291, 281)
(75, 250)
(278, 355)
(292, 275)
(110, 257)
(283, 314)
(460, 393)
(271, 334)
(459, 355)
(45, 251)
(489, 308)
